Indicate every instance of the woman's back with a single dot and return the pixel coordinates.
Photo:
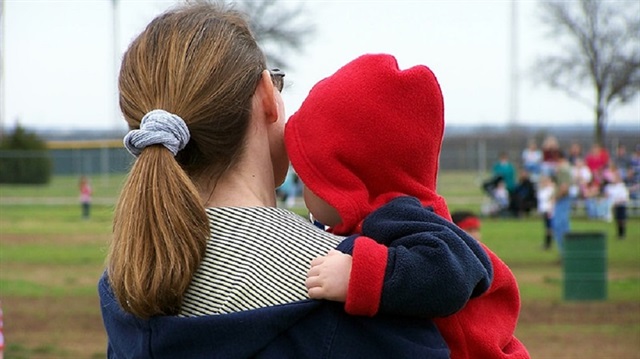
(256, 257)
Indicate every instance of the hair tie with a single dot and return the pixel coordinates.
(158, 127)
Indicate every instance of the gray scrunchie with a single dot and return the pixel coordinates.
(158, 127)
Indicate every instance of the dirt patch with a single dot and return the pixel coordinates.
(71, 327)
(598, 313)
(53, 327)
(586, 330)
(54, 238)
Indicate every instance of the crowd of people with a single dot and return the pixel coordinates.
(553, 180)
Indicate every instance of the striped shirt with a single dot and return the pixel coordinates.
(256, 257)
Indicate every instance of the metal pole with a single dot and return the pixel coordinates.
(2, 79)
(116, 61)
(482, 158)
(513, 60)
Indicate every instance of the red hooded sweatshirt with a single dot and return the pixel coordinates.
(366, 135)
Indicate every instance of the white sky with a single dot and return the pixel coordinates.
(59, 61)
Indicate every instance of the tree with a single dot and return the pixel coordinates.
(278, 28)
(598, 44)
(24, 158)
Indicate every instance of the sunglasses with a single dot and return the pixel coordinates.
(277, 77)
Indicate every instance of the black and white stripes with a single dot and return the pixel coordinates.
(256, 257)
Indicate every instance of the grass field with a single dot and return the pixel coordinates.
(51, 259)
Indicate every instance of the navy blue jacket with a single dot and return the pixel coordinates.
(431, 267)
(321, 329)
(306, 329)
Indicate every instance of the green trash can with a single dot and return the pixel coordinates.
(585, 266)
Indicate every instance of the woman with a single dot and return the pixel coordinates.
(202, 264)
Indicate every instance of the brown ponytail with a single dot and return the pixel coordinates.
(160, 231)
(202, 63)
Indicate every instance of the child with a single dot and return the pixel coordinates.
(501, 195)
(618, 196)
(468, 222)
(85, 196)
(364, 139)
(545, 193)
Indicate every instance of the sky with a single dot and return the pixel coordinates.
(60, 67)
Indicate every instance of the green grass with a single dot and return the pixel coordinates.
(51, 254)
(65, 187)
(517, 241)
(50, 257)
(38, 219)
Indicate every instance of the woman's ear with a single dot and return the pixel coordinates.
(267, 96)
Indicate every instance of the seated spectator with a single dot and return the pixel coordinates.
(581, 178)
(523, 199)
(501, 195)
(532, 160)
(632, 183)
(610, 173)
(596, 205)
(575, 153)
(622, 160)
(597, 160)
(550, 155)
(498, 204)
(505, 169)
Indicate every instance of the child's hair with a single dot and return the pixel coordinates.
(202, 63)
(465, 219)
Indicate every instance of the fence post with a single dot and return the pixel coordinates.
(104, 163)
(482, 158)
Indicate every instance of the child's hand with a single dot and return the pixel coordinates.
(328, 277)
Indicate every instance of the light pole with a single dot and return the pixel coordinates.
(116, 60)
(2, 79)
(514, 84)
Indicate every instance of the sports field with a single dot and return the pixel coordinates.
(51, 259)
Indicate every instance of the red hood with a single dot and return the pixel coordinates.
(367, 134)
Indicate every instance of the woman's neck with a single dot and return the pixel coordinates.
(250, 183)
(241, 189)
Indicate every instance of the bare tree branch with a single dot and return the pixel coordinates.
(279, 27)
(598, 44)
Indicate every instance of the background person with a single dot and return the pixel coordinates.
(618, 196)
(597, 160)
(532, 160)
(622, 160)
(560, 222)
(85, 196)
(505, 170)
(469, 222)
(550, 154)
(523, 198)
(575, 153)
(545, 194)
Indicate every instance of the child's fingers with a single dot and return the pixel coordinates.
(318, 260)
(312, 282)
(315, 293)
(313, 272)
